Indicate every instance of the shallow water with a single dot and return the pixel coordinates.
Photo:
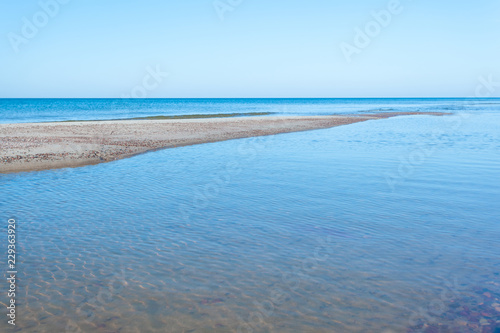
(382, 226)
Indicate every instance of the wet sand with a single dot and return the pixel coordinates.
(42, 146)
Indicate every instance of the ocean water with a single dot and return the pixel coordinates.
(40, 110)
(382, 226)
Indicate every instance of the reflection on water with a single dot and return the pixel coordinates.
(382, 226)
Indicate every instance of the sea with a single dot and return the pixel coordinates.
(388, 225)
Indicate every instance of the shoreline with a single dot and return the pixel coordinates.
(28, 147)
(187, 116)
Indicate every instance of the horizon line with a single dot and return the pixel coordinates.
(152, 98)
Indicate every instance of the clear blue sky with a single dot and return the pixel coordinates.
(262, 48)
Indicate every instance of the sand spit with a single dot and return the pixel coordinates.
(41, 146)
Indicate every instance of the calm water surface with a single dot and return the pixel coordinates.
(382, 226)
(39, 110)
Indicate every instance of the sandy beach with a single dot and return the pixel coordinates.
(41, 146)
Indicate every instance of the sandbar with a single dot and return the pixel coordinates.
(42, 146)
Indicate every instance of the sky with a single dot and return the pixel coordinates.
(248, 48)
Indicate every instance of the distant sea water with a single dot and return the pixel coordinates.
(42, 110)
(385, 226)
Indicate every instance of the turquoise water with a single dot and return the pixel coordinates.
(382, 226)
